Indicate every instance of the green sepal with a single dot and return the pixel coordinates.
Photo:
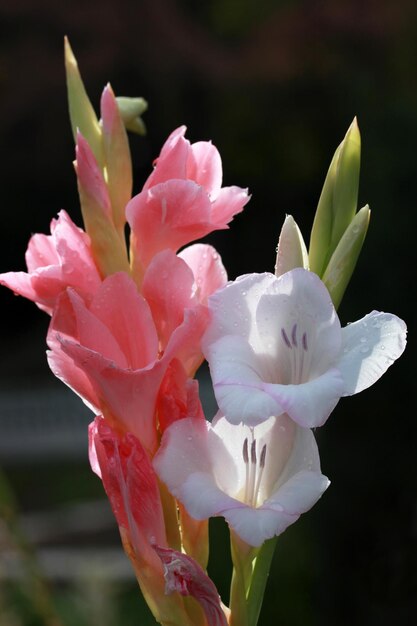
(342, 263)
(82, 114)
(338, 200)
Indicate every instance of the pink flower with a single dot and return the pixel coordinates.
(109, 352)
(181, 201)
(260, 479)
(56, 261)
(275, 346)
(132, 487)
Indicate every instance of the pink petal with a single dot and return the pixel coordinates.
(168, 287)
(90, 177)
(178, 396)
(204, 166)
(130, 324)
(207, 267)
(228, 203)
(172, 162)
(185, 576)
(41, 251)
(169, 215)
(131, 485)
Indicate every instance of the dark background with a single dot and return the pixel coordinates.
(275, 85)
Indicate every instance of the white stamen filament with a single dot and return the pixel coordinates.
(254, 469)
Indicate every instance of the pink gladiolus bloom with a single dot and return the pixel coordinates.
(130, 483)
(182, 199)
(109, 353)
(132, 487)
(56, 261)
(275, 346)
(260, 479)
(185, 576)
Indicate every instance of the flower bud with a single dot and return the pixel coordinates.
(131, 110)
(291, 251)
(82, 115)
(338, 201)
(344, 258)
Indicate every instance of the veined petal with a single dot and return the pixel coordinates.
(238, 380)
(172, 161)
(259, 479)
(370, 346)
(309, 404)
(229, 202)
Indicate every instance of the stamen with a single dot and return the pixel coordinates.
(253, 452)
(245, 451)
(294, 335)
(259, 477)
(263, 457)
(305, 346)
(285, 338)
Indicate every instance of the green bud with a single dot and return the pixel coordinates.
(291, 251)
(131, 110)
(342, 263)
(82, 115)
(338, 200)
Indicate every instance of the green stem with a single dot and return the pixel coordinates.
(242, 558)
(259, 580)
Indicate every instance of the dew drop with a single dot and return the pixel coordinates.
(363, 339)
(382, 346)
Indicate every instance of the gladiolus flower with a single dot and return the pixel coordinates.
(260, 479)
(109, 352)
(275, 346)
(181, 201)
(56, 261)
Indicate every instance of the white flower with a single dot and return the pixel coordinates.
(260, 479)
(275, 346)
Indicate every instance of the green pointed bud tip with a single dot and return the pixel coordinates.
(131, 110)
(82, 114)
(291, 251)
(343, 261)
(338, 200)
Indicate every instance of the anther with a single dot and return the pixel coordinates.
(245, 451)
(285, 338)
(253, 452)
(294, 335)
(305, 346)
(263, 457)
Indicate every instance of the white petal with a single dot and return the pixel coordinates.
(299, 493)
(233, 308)
(238, 376)
(296, 320)
(369, 347)
(309, 404)
(255, 526)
